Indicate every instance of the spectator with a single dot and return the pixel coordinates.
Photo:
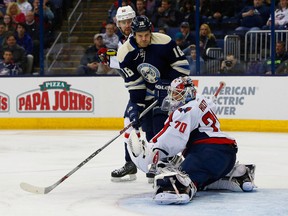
(23, 39)
(179, 39)
(15, 13)
(188, 37)
(231, 66)
(221, 10)
(7, 65)
(205, 11)
(19, 56)
(92, 61)
(282, 69)
(253, 17)
(162, 30)
(3, 33)
(103, 67)
(110, 39)
(49, 4)
(8, 22)
(188, 13)
(140, 8)
(178, 4)
(47, 12)
(32, 29)
(3, 5)
(60, 12)
(112, 12)
(207, 40)
(281, 16)
(281, 55)
(24, 6)
(166, 16)
(48, 21)
(192, 63)
(151, 7)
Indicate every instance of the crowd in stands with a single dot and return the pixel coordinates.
(19, 32)
(217, 19)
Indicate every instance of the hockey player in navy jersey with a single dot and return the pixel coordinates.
(208, 155)
(124, 17)
(149, 62)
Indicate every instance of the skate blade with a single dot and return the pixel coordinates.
(127, 178)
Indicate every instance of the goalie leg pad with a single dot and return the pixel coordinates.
(173, 188)
(241, 178)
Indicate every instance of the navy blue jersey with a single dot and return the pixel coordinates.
(9, 69)
(143, 68)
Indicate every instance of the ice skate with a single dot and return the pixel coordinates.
(125, 173)
(151, 174)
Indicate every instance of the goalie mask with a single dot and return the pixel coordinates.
(180, 92)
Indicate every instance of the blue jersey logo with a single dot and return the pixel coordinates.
(149, 72)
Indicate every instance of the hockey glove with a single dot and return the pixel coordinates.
(161, 90)
(133, 113)
(103, 56)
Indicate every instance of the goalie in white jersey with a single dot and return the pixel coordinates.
(193, 130)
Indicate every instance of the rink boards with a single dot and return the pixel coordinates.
(245, 104)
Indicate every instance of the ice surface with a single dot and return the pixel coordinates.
(43, 157)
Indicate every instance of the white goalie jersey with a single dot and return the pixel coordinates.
(192, 124)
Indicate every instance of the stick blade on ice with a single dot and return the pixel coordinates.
(32, 189)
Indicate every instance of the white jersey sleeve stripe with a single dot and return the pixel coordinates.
(137, 84)
(181, 66)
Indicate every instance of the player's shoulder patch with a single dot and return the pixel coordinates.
(124, 50)
(159, 38)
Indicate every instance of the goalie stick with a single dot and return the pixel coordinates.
(44, 190)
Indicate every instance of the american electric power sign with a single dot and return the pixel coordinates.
(56, 97)
(230, 98)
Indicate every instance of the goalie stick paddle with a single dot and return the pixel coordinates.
(44, 190)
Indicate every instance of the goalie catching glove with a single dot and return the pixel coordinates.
(140, 151)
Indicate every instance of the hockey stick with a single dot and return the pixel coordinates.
(44, 190)
(221, 86)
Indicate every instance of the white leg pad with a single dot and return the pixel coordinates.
(173, 188)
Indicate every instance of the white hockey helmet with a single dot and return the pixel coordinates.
(124, 13)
